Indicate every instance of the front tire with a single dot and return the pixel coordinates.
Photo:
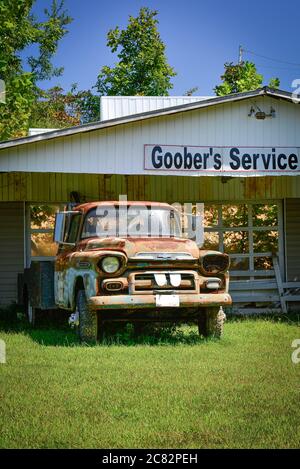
(88, 321)
(211, 322)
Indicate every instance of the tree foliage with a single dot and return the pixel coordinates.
(57, 109)
(142, 68)
(19, 29)
(241, 77)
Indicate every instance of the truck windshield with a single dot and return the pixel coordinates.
(132, 221)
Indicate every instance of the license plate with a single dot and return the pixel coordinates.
(167, 300)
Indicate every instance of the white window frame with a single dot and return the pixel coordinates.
(29, 231)
(250, 228)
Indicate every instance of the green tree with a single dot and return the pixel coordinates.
(19, 29)
(56, 109)
(142, 68)
(241, 77)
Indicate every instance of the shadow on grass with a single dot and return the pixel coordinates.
(56, 332)
(124, 337)
(53, 330)
(152, 334)
(291, 318)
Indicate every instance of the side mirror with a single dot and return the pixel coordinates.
(62, 226)
(59, 230)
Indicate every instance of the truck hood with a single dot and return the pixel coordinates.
(133, 247)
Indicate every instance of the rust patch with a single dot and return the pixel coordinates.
(250, 188)
(148, 266)
(259, 187)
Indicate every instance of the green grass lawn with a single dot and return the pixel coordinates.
(180, 391)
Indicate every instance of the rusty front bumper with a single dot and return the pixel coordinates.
(149, 301)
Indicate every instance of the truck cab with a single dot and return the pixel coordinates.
(130, 261)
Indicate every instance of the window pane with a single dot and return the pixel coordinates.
(72, 230)
(42, 244)
(235, 215)
(211, 241)
(43, 216)
(265, 241)
(239, 263)
(263, 263)
(265, 214)
(210, 215)
(236, 242)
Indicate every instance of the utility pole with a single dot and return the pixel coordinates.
(240, 54)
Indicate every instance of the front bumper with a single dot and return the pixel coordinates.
(128, 302)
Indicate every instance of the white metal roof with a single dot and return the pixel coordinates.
(214, 101)
(113, 107)
(38, 131)
(213, 137)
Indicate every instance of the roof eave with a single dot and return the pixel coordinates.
(265, 91)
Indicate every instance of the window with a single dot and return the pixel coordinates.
(134, 221)
(72, 229)
(42, 220)
(248, 232)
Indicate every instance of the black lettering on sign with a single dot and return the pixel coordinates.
(281, 157)
(178, 160)
(168, 160)
(293, 161)
(217, 161)
(274, 158)
(210, 161)
(157, 161)
(197, 161)
(255, 158)
(246, 161)
(266, 160)
(205, 158)
(234, 152)
(188, 162)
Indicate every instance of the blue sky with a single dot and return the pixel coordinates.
(199, 36)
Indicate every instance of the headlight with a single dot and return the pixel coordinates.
(215, 263)
(110, 264)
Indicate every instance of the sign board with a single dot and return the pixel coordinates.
(231, 161)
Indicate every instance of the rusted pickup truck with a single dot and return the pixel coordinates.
(128, 261)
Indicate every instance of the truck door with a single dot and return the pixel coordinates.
(66, 232)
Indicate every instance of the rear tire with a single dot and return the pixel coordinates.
(211, 322)
(88, 321)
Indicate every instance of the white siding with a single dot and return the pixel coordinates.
(11, 250)
(120, 149)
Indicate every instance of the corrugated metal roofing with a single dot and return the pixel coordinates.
(113, 107)
(38, 131)
(123, 149)
(278, 94)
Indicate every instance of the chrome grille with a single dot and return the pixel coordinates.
(145, 282)
(162, 256)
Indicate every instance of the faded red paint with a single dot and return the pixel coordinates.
(81, 265)
(89, 205)
(132, 246)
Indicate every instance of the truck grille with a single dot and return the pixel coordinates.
(145, 282)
